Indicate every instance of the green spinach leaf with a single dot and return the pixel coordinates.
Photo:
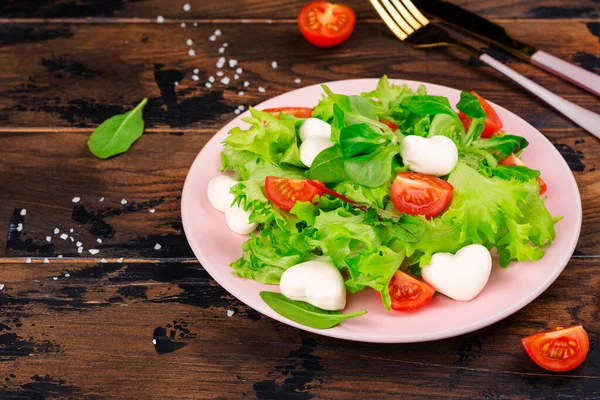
(470, 106)
(356, 109)
(360, 139)
(373, 169)
(428, 105)
(516, 172)
(502, 146)
(328, 166)
(117, 134)
(304, 313)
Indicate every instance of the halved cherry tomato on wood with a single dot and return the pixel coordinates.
(389, 123)
(419, 194)
(324, 24)
(560, 349)
(492, 121)
(285, 192)
(408, 293)
(513, 160)
(299, 112)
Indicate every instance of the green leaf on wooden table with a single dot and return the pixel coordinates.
(470, 106)
(117, 134)
(304, 313)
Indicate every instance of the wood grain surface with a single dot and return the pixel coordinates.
(76, 327)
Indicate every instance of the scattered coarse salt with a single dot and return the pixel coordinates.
(76, 199)
(99, 240)
(23, 212)
(261, 89)
(246, 83)
(94, 251)
(46, 261)
(274, 64)
(160, 19)
(191, 52)
(297, 80)
(211, 79)
(60, 256)
(230, 313)
(218, 32)
(236, 111)
(189, 42)
(232, 63)
(1, 286)
(71, 230)
(67, 275)
(64, 236)
(124, 201)
(221, 50)
(56, 231)
(225, 44)
(187, 7)
(221, 60)
(240, 93)
(196, 71)
(239, 70)
(183, 24)
(152, 210)
(212, 38)
(195, 78)
(236, 77)
(101, 199)
(72, 239)
(103, 261)
(219, 73)
(154, 342)
(195, 24)
(241, 108)
(157, 246)
(225, 80)
(78, 244)
(28, 260)
(80, 250)
(48, 238)
(19, 227)
(208, 85)
(176, 83)
(120, 259)
(55, 278)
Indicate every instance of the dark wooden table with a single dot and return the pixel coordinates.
(82, 326)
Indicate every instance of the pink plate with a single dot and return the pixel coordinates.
(508, 290)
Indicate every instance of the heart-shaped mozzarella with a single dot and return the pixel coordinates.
(219, 193)
(238, 220)
(314, 127)
(461, 276)
(311, 147)
(435, 156)
(315, 282)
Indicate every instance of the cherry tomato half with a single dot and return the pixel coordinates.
(408, 293)
(299, 112)
(492, 121)
(560, 349)
(389, 123)
(324, 24)
(419, 194)
(285, 192)
(513, 160)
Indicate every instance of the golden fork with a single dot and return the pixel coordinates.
(414, 29)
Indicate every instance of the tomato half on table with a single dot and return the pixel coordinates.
(514, 161)
(298, 112)
(492, 121)
(324, 24)
(285, 192)
(420, 194)
(408, 293)
(560, 349)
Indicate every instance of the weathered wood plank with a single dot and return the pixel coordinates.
(90, 334)
(78, 75)
(276, 9)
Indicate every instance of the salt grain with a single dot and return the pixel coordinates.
(221, 50)
(230, 313)
(56, 231)
(189, 42)
(152, 210)
(55, 278)
(80, 250)
(261, 89)
(221, 60)
(48, 239)
(23, 212)
(28, 260)
(187, 7)
(176, 83)
(76, 199)
(195, 24)
(67, 275)
(94, 251)
(241, 108)
(154, 342)
(191, 52)
(225, 80)
(274, 64)
(124, 201)
(212, 38)
(219, 73)
(195, 78)
(120, 259)
(64, 236)
(211, 79)
(1, 286)
(246, 83)
(19, 227)
(46, 261)
(60, 256)
(239, 70)
(72, 239)
(157, 246)
(101, 199)
(196, 70)
(236, 77)
(160, 19)
(103, 261)
(297, 80)
(71, 230)
(208, 85)
(99, 240)
(183, 24)
(236, 111)
(240, 93)
(78, 244)
(218, 32)
(232, 63)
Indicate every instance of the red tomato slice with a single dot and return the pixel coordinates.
(560, 349)
(408, 293)
(419, 194)
(285, 192)
(324, 24)
(492, 121)
(299, 112)
(513, 160)
(389, 123)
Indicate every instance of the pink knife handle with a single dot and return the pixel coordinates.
(588, 120)
(579, 76)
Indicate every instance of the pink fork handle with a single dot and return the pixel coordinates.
(588, 120)
(579, 76)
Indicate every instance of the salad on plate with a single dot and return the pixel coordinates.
(391, 191)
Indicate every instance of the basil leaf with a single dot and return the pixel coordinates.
(328, 166)
(359, 139)
(304, 313)
(502, 146)
(516, 172)
(470, 106)
(117, 134)
(428, 105)
(373, 169)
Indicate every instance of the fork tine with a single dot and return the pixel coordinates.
(415, 11)
(407, 16)
(397, 17)
(388, 20)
